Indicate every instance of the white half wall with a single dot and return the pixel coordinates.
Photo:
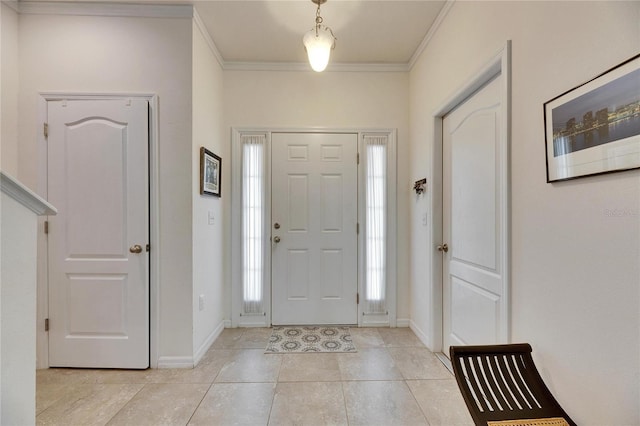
(354, 100)
(18, 213)
(575, 265)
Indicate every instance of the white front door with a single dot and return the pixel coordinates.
(314, 217)
(473, 223)
(98, 261)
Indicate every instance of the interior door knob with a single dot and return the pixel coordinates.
(444, 248)
(276, 239)
(136, 249)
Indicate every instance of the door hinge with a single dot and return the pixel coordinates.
(46, 226)
(46, 324)
(45, 130)
(357, 298)
(358, 228)
(358, 158)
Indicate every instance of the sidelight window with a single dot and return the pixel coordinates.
(376, 224)
(253, 197)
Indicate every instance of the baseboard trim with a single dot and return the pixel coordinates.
(249, 324)
(175, 362)
(207, 343)
(374, 324)
(403, 322)
(424, 338)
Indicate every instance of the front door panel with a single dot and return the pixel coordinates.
(314, 248)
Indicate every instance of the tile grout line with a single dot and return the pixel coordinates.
(126, 403)
(53, 403)
(275, 390)
(273, 400)
(344, 400)
(417, 403)
(199, 404)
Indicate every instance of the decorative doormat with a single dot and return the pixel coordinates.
(310, 339)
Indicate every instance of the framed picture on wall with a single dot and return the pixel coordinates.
(210, 173)
(595, 128)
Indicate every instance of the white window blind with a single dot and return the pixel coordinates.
(253, 190)
(376, 224)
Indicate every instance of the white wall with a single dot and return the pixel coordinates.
(9, 90)
(118, 55)
(575, 267)
(209, 256)
(328, 100)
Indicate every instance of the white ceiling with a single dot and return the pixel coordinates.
(368, 32)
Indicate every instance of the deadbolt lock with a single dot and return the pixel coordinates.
(276, 225)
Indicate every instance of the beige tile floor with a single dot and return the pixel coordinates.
(392, 380)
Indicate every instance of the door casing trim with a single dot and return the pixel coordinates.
(42, 341)
(500, 63)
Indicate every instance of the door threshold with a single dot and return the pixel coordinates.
(444, 360)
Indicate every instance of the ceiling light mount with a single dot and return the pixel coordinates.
(319, 42)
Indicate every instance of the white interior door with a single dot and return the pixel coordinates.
(314, 241)
(474, 310)
(98, 261)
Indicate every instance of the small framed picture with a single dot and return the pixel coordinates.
(595, 127)
(210, 173)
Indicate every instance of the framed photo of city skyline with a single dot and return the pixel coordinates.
(594, 128)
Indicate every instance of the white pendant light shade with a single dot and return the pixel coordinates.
(319, 44)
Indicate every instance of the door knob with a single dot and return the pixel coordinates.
(276, 239)
(444, 248)
(136, 249)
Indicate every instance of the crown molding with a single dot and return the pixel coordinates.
(432, 30)
(207, 37)
(13, 4)
(107, 9)
(304, 67)
(373, 67)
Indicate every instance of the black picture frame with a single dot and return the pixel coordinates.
(210, 173)
(594, 128)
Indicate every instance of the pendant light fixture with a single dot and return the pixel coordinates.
(319, 42)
